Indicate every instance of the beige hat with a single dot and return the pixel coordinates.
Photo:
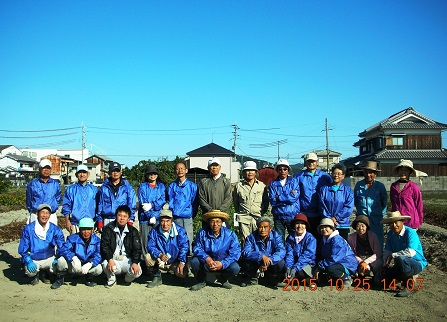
(393, 217)
(166, 212)
(283, 162)
(250, 165)
(311, 156)
(326, 222)
(370, 165)
(215, 214)
(405, 163)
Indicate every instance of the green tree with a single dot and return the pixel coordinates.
(5, 184)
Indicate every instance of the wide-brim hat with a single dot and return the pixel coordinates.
(405, 163)
(151, 168)
(370, 165)
(326, 222)
(215, 214)
(360, 218)
(283, 162)
(300, 217)
(393, 216)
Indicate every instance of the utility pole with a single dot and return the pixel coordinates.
(327, 147)
(235, 127)
(83, 141)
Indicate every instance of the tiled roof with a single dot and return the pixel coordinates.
(210, 150)
(20, 158)
(411, 154)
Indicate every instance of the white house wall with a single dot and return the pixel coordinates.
(229, 168)
(10, 150)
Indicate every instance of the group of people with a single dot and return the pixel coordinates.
(306, 237)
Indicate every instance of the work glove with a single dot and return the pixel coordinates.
(363, 268)
(76, 265)
(147, 206)
(31, 267)
(153, 220)
(130, 223)
(54, 266)
(86, 267)
(99, 226)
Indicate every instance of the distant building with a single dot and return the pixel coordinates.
(18, 168)
(9, 149)
(334, 158)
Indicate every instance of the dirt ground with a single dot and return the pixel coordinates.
(20, 301)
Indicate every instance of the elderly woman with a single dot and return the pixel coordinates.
(366, 247)
(337, 200)
(301, 248)
(338, 259)
(406, 195)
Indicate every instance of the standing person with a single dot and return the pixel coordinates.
(121, 248)
(337, 201)
(151, 196)
(37, 245)
(371, 199)
(310, 182)
(183, 202)
(216, 249)
(115, 192)
(167, 248)
(404, 248)
(43, 190)
(215, 190)
(80, 200)
(250, 199)
(284, 197)
(406, 195)
(80, 255)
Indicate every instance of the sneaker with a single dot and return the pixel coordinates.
(250, 282)
(197, 286)
(127, 283)
(46, 278)
(155, 282)
(109, 285)
(58, 283)
(404, 293)
(347, 282)
(227, 285)
(89, 281)
(35, 280)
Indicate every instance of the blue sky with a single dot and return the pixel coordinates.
(153, 79)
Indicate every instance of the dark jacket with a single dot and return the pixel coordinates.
(132, 243)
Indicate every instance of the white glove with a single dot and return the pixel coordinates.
(76, 265)
(147, 206)
(153, 220)
(86, 267)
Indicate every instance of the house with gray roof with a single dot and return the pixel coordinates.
(407, 134)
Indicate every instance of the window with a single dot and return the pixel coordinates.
(398, 140)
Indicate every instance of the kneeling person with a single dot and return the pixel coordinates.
(38, 242)
(80, 255)
(121, 248)
(167, 248)
(263, 253)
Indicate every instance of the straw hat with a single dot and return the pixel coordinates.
(370, 165)
(393, 217)
(215, 214)
(405, 163)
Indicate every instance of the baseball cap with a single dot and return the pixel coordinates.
(311, 156)
(43, 206)
(166, 212)
(81, 167)
(86, 223)
(213, 160)
(45, 163)
(114, 165)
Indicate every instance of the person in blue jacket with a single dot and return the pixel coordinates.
(115, 191)
(183, 201)
(284, 198)
(80, 255)
(263, 254)
(43, 190)
(403, 247)
(338, 259)
(80, 200)
(167, 248)
(337, 201)
(152, 197)
(310, 182)
(301, 249)
(216, 249)
(38, 243)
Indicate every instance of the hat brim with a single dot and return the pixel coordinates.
(294, 221)
(369, 168)
(413, 171)
(394, 219)
(215, 214)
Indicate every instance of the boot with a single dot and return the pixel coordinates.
(58, 283)
(89, 281)
(35, 280)
(155, 282)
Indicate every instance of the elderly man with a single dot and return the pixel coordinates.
(80, 255)
(43, 190)
(263, 254)
(310, 182)
(121, 248)
(79, 200)
(371, 199)
(404, 248)
(216, 249)
(167, 248)
(284, 197)
(215, 189)
(115, 192)
(250, 199)
(37, 244)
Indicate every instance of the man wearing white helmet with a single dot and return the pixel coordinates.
(79, 200)
(250, 198)
(43, 190)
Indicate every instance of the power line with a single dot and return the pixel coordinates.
(34, 131)
(159, 130)
(36, 137)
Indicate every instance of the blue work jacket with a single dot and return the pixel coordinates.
(310, 185)
(183, 200)
(255, 247)
(156, 196)
(285, 204)
(176, 245)
(301, 254)
(336, 250)
(39, 192)
(75, 246)
(80, 202)
(108, 201)
(372, 201)
(338, 204)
